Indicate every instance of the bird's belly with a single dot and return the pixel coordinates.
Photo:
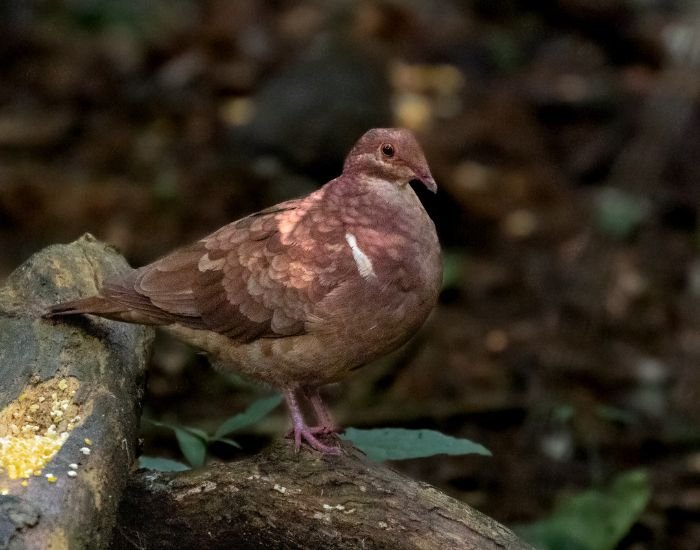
(364, 327)
(344, 339)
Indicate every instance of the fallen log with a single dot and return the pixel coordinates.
(70, 399)
(279, 499)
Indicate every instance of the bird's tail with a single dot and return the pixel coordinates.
(97, 305)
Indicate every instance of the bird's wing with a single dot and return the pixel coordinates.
(258, 277)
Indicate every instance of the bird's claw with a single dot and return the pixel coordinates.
(319, 430)
(307, 434)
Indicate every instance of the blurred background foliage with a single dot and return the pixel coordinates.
(564, 135)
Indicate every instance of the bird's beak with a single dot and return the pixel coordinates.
(426, 178)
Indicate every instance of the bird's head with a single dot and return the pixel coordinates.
(392, 154)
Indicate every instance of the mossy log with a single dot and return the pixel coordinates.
(279, 499)
(70, 398)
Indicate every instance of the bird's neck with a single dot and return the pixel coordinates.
(373, 201)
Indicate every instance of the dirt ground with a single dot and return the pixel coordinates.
(564, 138)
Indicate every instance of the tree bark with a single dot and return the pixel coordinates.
(278, 499)
(85, 377)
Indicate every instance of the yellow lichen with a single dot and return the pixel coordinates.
(23, 457)
(40, 427)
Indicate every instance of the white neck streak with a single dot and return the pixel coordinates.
(362, 261)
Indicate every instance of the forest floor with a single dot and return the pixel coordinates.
(564, 139)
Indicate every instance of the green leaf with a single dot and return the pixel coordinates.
(453, 269)
(399, 443)
(194, 431)
(593, 519)
(161, 464)
(160, 424)
(254, 413)
(192, 446)
(618, 213)
(616, 414)
(228, 442)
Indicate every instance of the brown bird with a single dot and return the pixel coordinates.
(301, 293)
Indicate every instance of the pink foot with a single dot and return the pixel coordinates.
(323, 430)
(323, 415)
(303, 432)
(315, 430)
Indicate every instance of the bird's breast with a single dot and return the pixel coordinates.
(392, 288)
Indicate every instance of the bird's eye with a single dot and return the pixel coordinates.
(388, 150)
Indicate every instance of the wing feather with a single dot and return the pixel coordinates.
(258, 277)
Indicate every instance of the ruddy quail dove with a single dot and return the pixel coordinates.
(300, 294)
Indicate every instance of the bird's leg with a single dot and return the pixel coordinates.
(301, 430)
(326, 425)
